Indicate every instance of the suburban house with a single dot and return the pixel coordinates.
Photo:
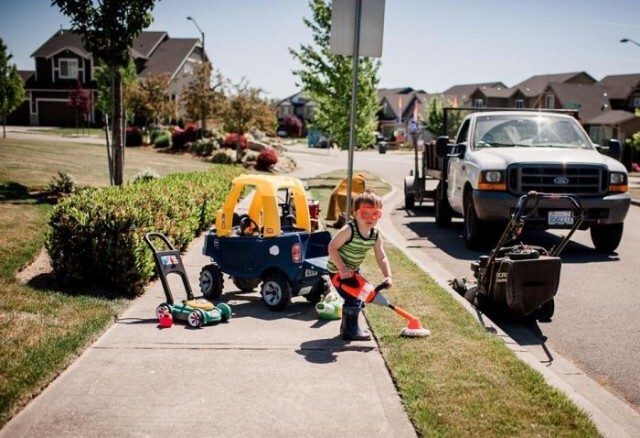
(534, 87)
(62, 61)
(461, 95)
(296, 105)
(398, 107)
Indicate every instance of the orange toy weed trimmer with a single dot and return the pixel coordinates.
(358, 287)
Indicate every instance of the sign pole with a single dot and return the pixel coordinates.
(354, 100)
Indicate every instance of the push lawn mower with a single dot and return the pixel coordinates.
(195, 312)
(523, 279)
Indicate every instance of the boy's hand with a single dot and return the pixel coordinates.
(388, 281)
(345, 273)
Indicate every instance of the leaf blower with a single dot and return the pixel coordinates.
(358, 287)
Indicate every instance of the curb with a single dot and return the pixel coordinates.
(604, 422)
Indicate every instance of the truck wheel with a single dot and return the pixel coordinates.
(409, 195)
(546, 311)
(317, 291)
(211, 282)
(606, 237)
(276, 292)
(474, 230)
(246, 284)
(442, 207)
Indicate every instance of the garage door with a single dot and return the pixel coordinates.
(55, 114)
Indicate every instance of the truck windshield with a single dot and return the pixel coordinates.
(529, 130)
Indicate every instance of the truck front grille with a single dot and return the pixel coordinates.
(579, 179)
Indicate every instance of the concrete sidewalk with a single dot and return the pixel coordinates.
(263, 373)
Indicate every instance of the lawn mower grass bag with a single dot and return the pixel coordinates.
(524, 280)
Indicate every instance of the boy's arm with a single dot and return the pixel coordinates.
(383, 261)
(336, 243)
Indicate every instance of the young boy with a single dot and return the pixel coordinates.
(348, 249)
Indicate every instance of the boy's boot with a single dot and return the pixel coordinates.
(350, 330)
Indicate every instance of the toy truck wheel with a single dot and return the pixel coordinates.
(211, 282)
(317, 291)
(161, 309)
(225, 311)
(246, 284)
(194, 319)
(606, 237)
(276, 292)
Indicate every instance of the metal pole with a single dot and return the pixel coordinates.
(354, 100)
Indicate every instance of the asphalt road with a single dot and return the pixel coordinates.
(595, 326)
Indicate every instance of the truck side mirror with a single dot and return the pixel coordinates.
(615, 150)
(442, 146)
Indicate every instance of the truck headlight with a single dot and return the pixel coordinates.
(618, 182)
(492, 180)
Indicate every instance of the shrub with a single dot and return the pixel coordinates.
(222, 158)
(230, 141)
(133, 136)
(156, 133)
(162, 141)
(63, 184)
(145, 176)
(292, 125)
(178, 138)
(96, 236)
(202, 147)
(251, 156)
(266, 159)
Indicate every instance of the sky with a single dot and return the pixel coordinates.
(427, 44)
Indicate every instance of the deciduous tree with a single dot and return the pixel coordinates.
(11, 88)
(203, 96)
(244, 109)
(327, 79)
(80, 102)
(108, 29)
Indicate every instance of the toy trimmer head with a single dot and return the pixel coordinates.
(360, 288)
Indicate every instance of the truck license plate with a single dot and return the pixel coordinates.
(560, 218)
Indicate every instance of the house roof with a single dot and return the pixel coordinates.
(467, 89)
(612, 118)
(25, 75)
(169, 56)
(399, 99)
(63, 39)
(498, 92)
(588, 99)
(147, 41)
(535, 85)
(623, 85)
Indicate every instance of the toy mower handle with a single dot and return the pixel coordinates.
(148, 236)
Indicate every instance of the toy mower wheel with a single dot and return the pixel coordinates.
(194, 319)
(276, 292)
(225, 311)
(161, 309)
(211, 282)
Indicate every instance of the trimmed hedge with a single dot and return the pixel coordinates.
(96, 236)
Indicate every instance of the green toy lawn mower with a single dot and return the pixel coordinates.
(195, 312)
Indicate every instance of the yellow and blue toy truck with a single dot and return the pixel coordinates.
(269, 242)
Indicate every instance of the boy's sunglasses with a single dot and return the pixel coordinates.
(370, 212)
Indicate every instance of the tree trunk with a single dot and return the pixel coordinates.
(118, 145)
(4, 126)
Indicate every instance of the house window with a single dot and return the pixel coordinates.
(549, 101)
(519, 103)
(68, 68)
(636, 102)
(478, 103)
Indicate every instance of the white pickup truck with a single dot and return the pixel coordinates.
(499, 156)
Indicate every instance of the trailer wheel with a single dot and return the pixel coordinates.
(211, 282)
(606, 237)
(442, 207)
(276, 292)
(474, 230)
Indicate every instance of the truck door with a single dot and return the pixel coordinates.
(457, 170)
